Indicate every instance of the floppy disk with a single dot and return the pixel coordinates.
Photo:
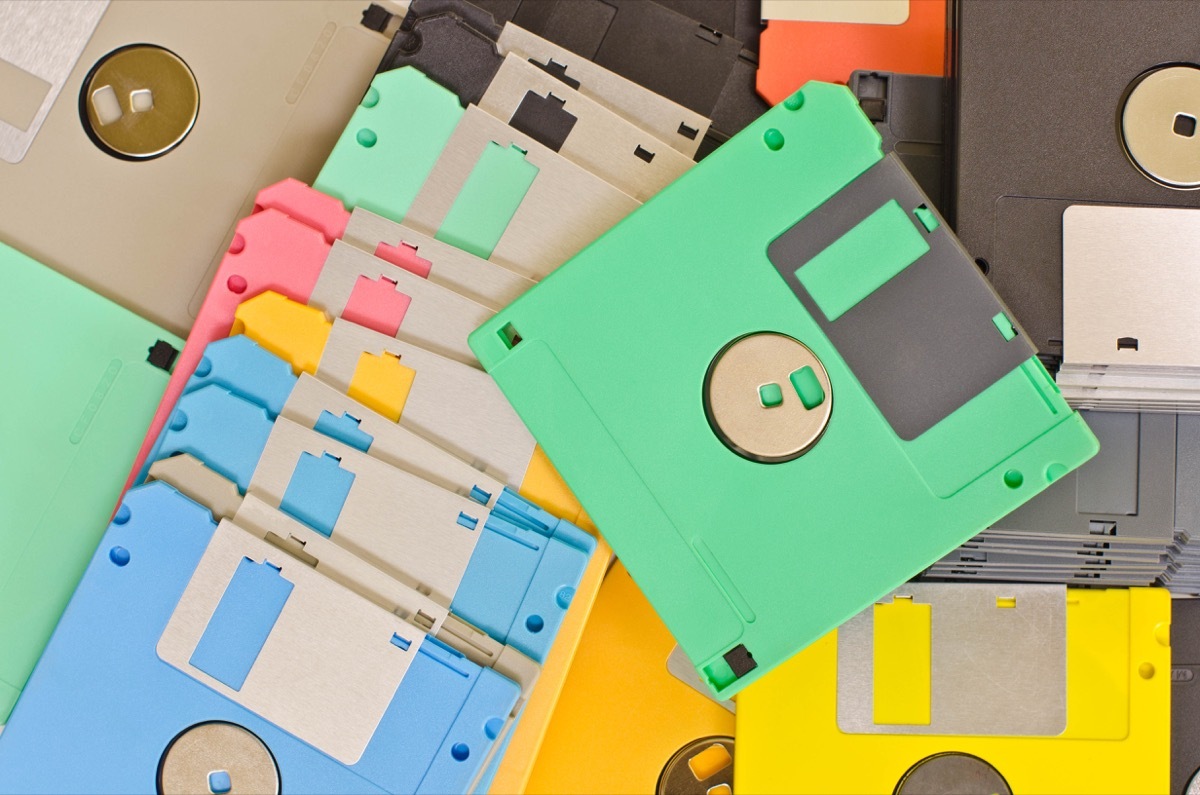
(767, 314)
(413, 154)
(317, 405)
(84, 377)
(486, 552)
(201, 692)
(456, 406)
(1037, 566)
(907, 111)
(678, 734)
(283, 247)
(191, 478)
(1111, 129)
(377, 381)
(697, 72)
(274, 249)
(195, 481)
(1126, 506)
(921, 683)
(673, 54)
(580, 129)
(811, 40)
(125, 117)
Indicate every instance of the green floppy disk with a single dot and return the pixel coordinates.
(782, 388)
(82, 378)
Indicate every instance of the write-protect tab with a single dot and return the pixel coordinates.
(862, 260)
(489, 200)
(242, 622)
(317, 492)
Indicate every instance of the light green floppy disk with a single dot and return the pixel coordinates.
(781, 388)
(82, 378)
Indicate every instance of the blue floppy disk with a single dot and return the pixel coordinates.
(196, 657)
(494, 558)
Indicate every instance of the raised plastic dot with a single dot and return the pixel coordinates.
(366, 138)
(204, 368)
(535, 624)
(178, 420)
(1013, 479)
(492, 728)
(1146, 670)
(236, 284)
(122, 515)
(773, 139)
(1054, 472)
(460, 752)
(371, 99)
(119, 555)
(1162, 633)
(564, 596)
(237, 245)
(795, 101)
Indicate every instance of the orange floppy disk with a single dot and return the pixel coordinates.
(797, 49)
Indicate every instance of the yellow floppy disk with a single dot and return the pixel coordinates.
(953, 688)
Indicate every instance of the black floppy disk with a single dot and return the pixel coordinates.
(1057, 104)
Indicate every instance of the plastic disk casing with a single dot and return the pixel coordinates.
(1117, 645)
(227, 629)
(512, 569)
(801, 229)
